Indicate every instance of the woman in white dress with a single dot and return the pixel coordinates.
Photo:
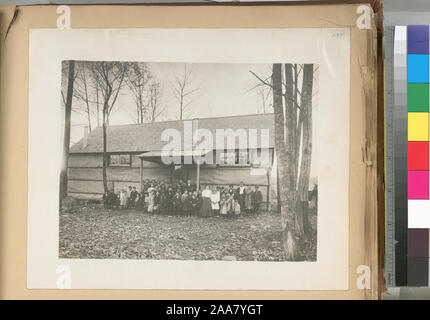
(215, 198)
(151, 198)
(206, 208)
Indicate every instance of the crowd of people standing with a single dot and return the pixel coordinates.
(183, 198)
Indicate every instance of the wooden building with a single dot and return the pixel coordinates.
(134, 153)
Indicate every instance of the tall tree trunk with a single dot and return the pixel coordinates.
(181, 105)
(296, 123)
(105, 155)
(268, 204)
(87, 102)
(305, 168)
(89, 117)
(97, 103)
(67, 121)
(284, 148)
(290, 134)
(278, 189)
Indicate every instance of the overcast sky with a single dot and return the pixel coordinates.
(221, 90)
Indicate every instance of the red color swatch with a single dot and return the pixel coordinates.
(418, 155)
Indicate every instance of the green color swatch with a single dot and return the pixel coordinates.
(418, 97)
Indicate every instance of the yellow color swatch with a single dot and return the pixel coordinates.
(418, 126)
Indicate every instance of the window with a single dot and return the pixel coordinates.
(119, 160)
(259, 158)
(227, 158)
(234, 158)
(242, 156)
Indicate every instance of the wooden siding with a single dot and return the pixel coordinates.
(86, 181)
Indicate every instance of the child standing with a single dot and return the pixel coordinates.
(223, 203)
(123, 199)
(236, 207)
(230, 204)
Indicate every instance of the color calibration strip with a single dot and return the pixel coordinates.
(418, 155)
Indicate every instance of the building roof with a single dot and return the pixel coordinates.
(147, 137)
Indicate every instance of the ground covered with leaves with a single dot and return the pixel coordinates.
(96, 233)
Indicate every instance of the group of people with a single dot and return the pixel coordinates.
(183, 198)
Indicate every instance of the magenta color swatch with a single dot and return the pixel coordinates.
(418, 184)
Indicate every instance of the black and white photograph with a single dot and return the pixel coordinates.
(189, 161)
(217, 156)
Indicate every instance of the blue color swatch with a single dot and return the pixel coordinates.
(418, 68)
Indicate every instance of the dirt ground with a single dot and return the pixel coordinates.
(96, 233)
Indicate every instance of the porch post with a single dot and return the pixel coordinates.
(141, 174)
(198, 176)
(268, 204)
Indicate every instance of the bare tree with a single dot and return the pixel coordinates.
(67, 99)
(97, 89)
(263, 95)
(183, 89)
(83, 89)
(138, 81)
(111, 79)
(87, 93)
(293, 143)
(154, 109)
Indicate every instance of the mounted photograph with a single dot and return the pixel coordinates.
(220, 157)
(189, 161)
